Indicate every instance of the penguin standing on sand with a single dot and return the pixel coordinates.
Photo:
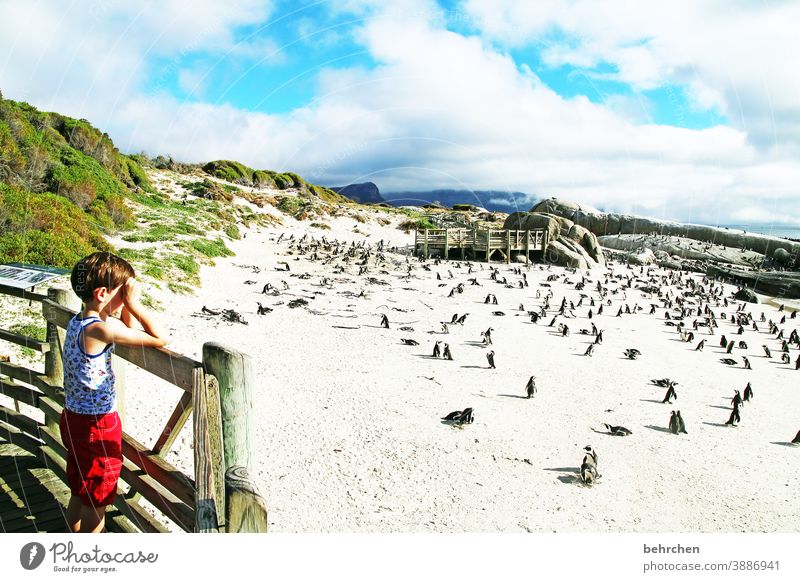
(734, 418)
(748, 392)
(681, 424)
(796, 439)
(436, 349)
(746, 363)
(384, 321)
(446, 354)
(530, 387)
(700, 346)
(490, 357)
(736, 401)
(671, 394)
(673, 423)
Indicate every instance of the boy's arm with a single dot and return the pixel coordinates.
(114, 331)
(129, 334)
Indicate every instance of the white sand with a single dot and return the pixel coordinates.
(347, 424)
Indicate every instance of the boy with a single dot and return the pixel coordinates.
(90, 426)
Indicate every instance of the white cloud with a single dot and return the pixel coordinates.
(737, 56)
(442, 110)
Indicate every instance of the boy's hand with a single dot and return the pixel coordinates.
(133, 292)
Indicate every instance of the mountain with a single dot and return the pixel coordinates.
(493, 200)
(365, 193)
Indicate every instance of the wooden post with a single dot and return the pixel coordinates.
(233, 371)
(53, 365)
(488, 244)
(446, 243)
(425, 245)
(209, 472)
(527, 247)
(508, 246)
(246, 509)
(462, 241)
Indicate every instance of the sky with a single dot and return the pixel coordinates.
(686, 110)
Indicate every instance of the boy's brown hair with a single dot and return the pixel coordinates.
(100, 269)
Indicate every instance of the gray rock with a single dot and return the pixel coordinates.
(746, 295)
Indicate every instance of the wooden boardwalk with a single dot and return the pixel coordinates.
(475, 243)
(33, 498)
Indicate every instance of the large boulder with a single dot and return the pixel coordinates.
(559, 253)
(783, 257)
(746, 295)
(644, 257)
(608, 223)
(577, 247)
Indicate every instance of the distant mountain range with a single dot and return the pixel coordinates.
(493, 200)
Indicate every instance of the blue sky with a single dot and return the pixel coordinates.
(303, 38)
(686, 111)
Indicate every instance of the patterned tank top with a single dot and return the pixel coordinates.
(88, 379)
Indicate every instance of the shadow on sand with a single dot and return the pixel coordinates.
(515, 396)
(658, 428)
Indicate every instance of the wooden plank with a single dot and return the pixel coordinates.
(425, 245)
(247, 510)
(16, 437)
(159, 470)
(175, 423)
(138, 517)
(209, 472)
(21, 293)
(19, 393)
(52, 412)
(19, 420)
(165, 364)
(24, 340)
(36, 379)
(161, 497)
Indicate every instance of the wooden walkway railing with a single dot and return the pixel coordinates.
(483, 242)
(219, 497)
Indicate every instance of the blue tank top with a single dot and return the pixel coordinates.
(88, 379)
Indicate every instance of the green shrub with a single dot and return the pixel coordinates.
(416, 224)
(233, 232)
(211, 248)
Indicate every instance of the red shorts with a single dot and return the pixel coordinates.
(94, 455)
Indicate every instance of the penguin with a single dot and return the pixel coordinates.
(599, 339)
(728, 361)
(262, 309)
(746, 363)
(589, 471)
(674, 427)
(446, 353)
(681, 424)
(384, 321)
(670, 394)
(700, 346)
(734, 418)
(796, 439)
(409, 342)
(467, 416)
(462, 319)
(617, 430)
(748, 393)
(453, 416)
(530, 387)
(632, 353)
(589, 350)
(743, 345)
(730, 347)
(723, 343)
(436, 349)
(736, 401)
(767, 352)
(490, 357)
(786, 359)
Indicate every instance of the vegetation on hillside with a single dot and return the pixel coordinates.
(63, 186)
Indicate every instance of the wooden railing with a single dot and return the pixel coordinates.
(219, 497)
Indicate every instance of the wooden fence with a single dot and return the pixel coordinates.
(480, 242)
(219, 497)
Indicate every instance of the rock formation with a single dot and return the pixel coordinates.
(608, 223)
(569, 244)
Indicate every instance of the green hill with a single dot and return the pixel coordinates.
(63, 186)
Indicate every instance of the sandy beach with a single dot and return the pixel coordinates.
(347, 417)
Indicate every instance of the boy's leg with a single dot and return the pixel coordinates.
(74, 514)
(93, 519)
